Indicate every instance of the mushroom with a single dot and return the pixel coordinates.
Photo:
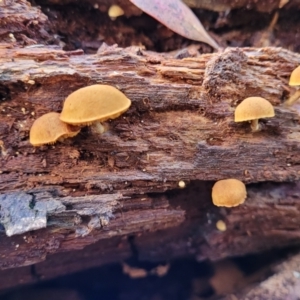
(294, 81)
(221, 225)
(229, 192)
(48, 129)
(181, 184)
(252, 109)
(115, 11)
(94, 104)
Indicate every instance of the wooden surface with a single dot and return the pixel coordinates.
(180, 127)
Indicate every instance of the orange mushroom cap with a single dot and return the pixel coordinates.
(48, 129)
(295, 77)
(253, 108)
(94, 103)
(229, 192)
(115, 11)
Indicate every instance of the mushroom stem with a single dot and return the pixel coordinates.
(293, 98)
(255, 125)
(97, 127)
(2, 148)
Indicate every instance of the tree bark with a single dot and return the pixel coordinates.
(180, 127)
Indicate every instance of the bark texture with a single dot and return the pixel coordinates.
(180, 127)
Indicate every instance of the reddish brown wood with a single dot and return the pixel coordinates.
(180, 127)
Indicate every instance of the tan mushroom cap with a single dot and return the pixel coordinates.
(115, 11)
(229, 192)
(94, 103)
(48, 129)
(295, 77)
(253, 108)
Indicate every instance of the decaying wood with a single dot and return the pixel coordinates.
(180, 127)
(92, 192)
(268, 219)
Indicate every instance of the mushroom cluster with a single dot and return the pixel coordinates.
(97, 103)
(232, 192)
(87, 106)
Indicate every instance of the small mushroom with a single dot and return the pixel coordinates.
(94, 104)
(252, 109)
(48, 129)
(115, 11)
(229, 192)
(221, 225)
(181, 184)
(294, 81)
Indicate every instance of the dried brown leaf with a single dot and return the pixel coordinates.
(178, 17)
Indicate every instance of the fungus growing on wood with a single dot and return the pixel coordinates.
(229, 192)
(294, 81)
(221, 226)
(115, 11)
(252, 109)
(181, 184)
(94, 104)
(48, 129)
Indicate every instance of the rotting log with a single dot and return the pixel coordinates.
(97, 189)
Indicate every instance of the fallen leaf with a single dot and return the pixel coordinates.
(178, 17)
(282, 3)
